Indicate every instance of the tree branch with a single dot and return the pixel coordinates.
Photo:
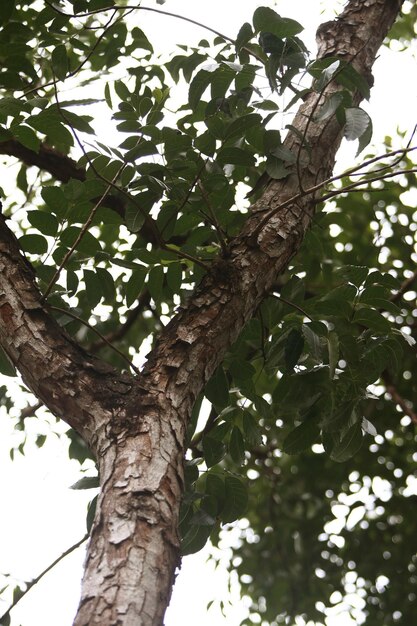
(405, 405)
(34, 581)
(71, 383)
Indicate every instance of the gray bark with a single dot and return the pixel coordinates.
(136, 425)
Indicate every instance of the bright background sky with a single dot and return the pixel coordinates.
(40, 516)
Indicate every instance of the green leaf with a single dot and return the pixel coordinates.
(340, 412)
(56, 200)
(365, 138)
(333, 347)
(91, 513)
(134, 218)
(369, 428)
(265, 19)
(314, 342)
(213, 450)
(302, 437)
(379, 297)
(237, 446)
(198, 86)
(352, 80)
(174, 277)
(239, 127)
(276, 169)
(107, 96)
(40, 440)
(329, 107)
(251, 429)
(372, 319)
(144, 148)
(244, 35)
(155, 282)
(386, 280)
(215, 489)
(235, 156)
(134, 285)
(93, 288)
(88, 243)
(45, 222)
(107, 284)
(56, 132)
(87, 482)
(217, 389)
(6, 10)
(6, 366)
(357, 122)
(326, 76)
(195, 539)
(355, 274)
(206, 143)
(348, 445)
(236, 499)
(27, 137)
(293, 348)
(34, 244)
(281, 152)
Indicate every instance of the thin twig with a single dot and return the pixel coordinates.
(34, 581)
(404, 287)
(30, 410)
(81, 234)
(140, 8)
(193, 184)
(331, 194)
(74, 72)
(356, 186)
(102, 337)
(184, 255)
(397, 398)
(292, 304)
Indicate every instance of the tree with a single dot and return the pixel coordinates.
(294, 340)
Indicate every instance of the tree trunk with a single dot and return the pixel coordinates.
(136, 425)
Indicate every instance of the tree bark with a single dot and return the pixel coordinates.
(136, 425)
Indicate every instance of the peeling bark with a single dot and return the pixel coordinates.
(136, 425)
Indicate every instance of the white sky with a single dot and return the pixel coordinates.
(40, 516)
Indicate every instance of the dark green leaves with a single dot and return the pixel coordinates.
(265, 19)
(214, 450)
(236, 499)
(45, 222)
(293, 348)
(60, 63)
(27, 137)
(224, 498)
(34, 244)
(217, 389)
(87, 482)
(235, 156)
(6, 366)
(237, 446)
(302, 437)
(348, 445)
(357, 122)
(372, 319)
(6, 10)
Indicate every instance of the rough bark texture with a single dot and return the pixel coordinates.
(136, 426)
